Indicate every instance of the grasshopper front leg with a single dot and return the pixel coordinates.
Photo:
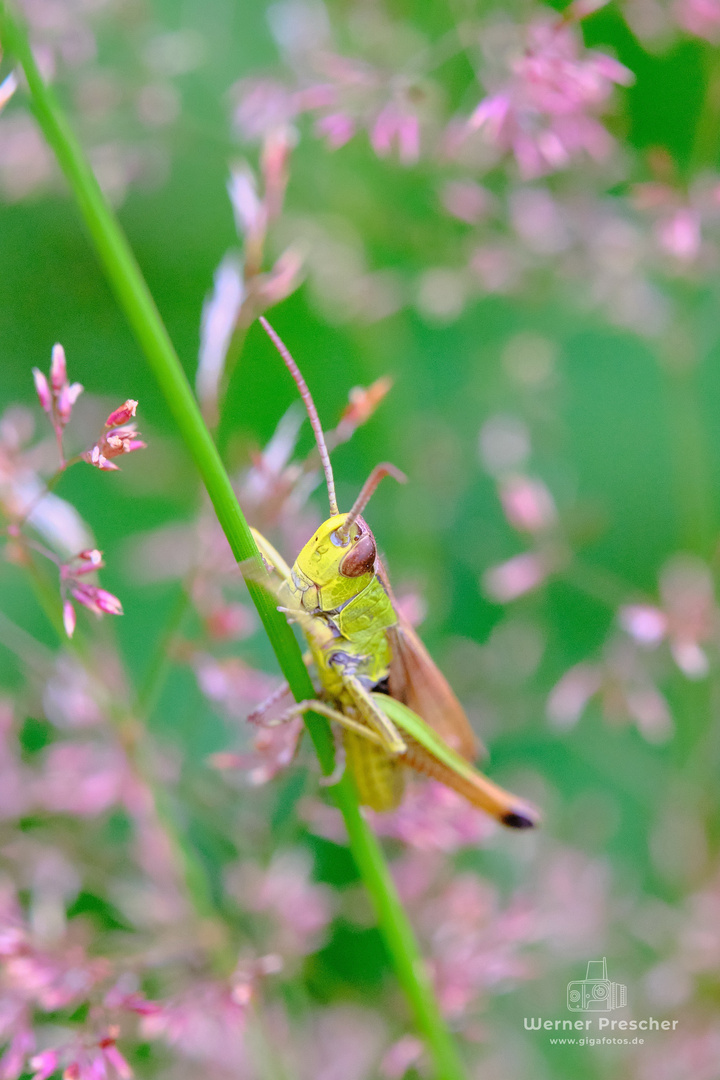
(271, 556)
(379, 779)
(374, 717)
(330, 713)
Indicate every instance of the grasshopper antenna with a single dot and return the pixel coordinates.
(311, 411)
(366, 493)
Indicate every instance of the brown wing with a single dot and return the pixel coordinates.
(416, 680)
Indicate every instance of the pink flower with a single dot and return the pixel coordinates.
(205, 1023)
(300, 909)
(109, 1049)
(44, 1065)
(69, 619)
(699, 17)
(687, 619)
(274, 168)
(679, 234)
(515, 577)
(248, 207)
(115, 439)
(122, 414)
(474, 945)
(263, 105)
(570, 696)
(543, 113)
(119, 997)
(15, 1055)
(401, 1057)
(528, 505)
(647, 624)
(220, 315)
(624, 688)
(7, 88)
(101, 1060)
(434, 818)
(395, 124)
(95, 599)
(279, 282)
(338, 128)
(81, 779)
(466, 200)
(43, 390)
(57, 396)
(233, 684)
(274, 749)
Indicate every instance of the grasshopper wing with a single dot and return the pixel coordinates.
(416, 681)
(431, 756)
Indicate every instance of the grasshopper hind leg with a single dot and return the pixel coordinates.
(379, 778)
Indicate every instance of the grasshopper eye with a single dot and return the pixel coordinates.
(361, 559)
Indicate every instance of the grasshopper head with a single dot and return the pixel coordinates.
(338, 566)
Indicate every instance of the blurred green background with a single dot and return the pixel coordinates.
(628, 444)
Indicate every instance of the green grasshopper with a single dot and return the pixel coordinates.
(376, 678)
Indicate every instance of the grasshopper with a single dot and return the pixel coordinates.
(376, 678)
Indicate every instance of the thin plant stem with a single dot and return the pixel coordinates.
(135, 299)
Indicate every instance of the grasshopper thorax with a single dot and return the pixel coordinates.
(338, 566)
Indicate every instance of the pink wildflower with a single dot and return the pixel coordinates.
(300, 909)
(250, 212)
(13, 1060)
(624, 688)
(699, 17)
(466, 200)
(687, 619)
(543, 113)
(570, 696)
(647, 624)
(362, 403)
(205, 1023)
(44, 1064)
(101, 1060)
(434, 818)
(82, 779)
(679, 234)
(279, 282)
(274, 164)
(92, 597)
(395, 124)
(7, 88)
(95, 599)
(109, 1049)
(274, 749)
(474, 944)
(219, 318)
(115, 438)
(515, 577)
(402, 1056)
(338, 128)
(528, 505)
(133, 1001)
(57, 396)
(263, 105)
(69, 618)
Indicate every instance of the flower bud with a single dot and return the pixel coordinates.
(122, 414)
(67, 395)
(43, 390)
(69, 618)
(58, 368)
